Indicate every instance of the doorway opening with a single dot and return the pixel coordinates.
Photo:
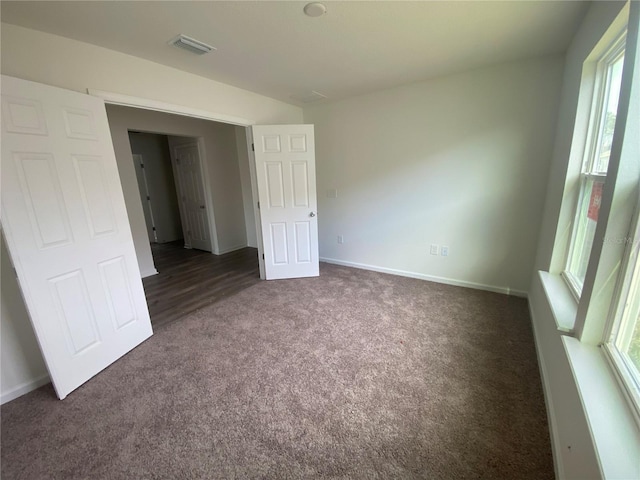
(156, 182)
(189, 196)
(171, 189)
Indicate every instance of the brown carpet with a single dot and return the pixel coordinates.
(352, 375)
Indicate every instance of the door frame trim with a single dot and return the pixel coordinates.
(155, 105)
(254, 193)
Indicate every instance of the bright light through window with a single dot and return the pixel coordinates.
(625, 337)
(596, 162)
(609, 117)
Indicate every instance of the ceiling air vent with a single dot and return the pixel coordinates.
(191, 44)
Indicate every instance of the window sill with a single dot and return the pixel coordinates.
(563, 304)
(613, 428)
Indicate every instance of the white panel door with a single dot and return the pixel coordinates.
(286, 175)
(66, 226)
(193, 207)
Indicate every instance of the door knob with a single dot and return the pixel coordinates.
(312, 214)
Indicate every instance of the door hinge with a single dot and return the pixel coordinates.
(148, 197)
(253, 148)
(258, 205)
(153, 228)
(263, 256)
(142, 165)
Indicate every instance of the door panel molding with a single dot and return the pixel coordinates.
(67, 231)
(194, 192)
(288, 222)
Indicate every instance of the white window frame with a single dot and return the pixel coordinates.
(623, 309)
(593, 141)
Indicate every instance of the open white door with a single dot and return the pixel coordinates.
(191, 197)
(286, 177)
(67, 230)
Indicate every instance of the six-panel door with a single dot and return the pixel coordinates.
(285, 168)
(67, 230)
(191, 196)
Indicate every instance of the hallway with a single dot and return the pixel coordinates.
(191, 279)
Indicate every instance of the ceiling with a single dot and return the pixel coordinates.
(273, 49)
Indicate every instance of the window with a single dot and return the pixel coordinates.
(596, 161)
(601, 324)
(621, 339)
(622, 342)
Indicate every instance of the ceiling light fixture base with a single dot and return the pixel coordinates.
(315, 9)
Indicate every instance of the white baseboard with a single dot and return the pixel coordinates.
(148, 273)
(24, 389)
(222, 251)
(551, 414)
(430, 278)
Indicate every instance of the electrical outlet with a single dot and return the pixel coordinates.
(434, 249)
(444, 251)
(340, 239)
(332, 193)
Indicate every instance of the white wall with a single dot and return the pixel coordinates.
(66, 63)
(221, 158)
(567, 418)
(21, 365)
(460, 161)
(160, 184)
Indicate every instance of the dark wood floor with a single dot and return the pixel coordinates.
(188, 280)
